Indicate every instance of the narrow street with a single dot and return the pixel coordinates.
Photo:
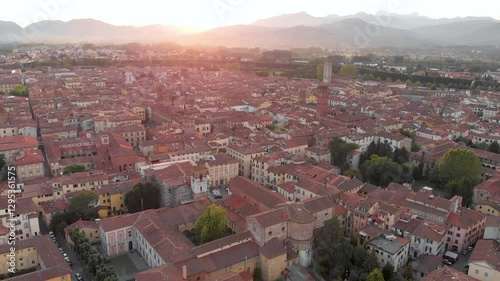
(76, 267)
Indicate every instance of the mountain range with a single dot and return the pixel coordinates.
(285, 31)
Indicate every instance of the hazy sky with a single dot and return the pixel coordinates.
(213, 13)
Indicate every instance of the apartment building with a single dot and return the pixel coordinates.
(391, 250)
(244, 155)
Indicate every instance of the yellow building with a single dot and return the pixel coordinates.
(311, 99)
(39, 251)
(484, 261)
(89, 228)
(273, 259)
(488, 207)
(222, 169)
(112, 197)
(140, 111)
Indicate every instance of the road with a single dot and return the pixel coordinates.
(76, 267)
(461, 262)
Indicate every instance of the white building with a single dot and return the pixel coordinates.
(391, 249)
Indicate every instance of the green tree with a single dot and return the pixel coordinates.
(142, 197)
(339, 150)
(388, 80)
(418, 84)
(381, 171)
(401, 156)
(408, 273)
(319, 71)
(387, 271)
(462, 187)
(459, 163)
(212, 224)
(80, 206)
(375, 275)
(111, 278)
(257, 274)
(20, 91)
(352, 173)
(73, 168)
(2, 161)
(494, 147)
(348, 71)
(482, 146)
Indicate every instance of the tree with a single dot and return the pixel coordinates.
(494, 147)
(2, 161)
(142, 197)
(408, 273)
(352, 173)
(111, 278)
(212, 224)
(339, 150)
(388, 80)
(387, 271)
(459, 163)
(257, 274)
(462, 187)
(80, 206)
(319, 71)
(401, 156)
(73, 168)
(20, 91)
(381, 171)
(348, 71)
(375, 275)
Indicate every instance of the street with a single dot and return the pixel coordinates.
(76, 267)
(461, 262)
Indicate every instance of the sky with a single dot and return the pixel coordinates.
(205, 14)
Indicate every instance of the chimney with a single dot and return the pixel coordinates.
(184, 272)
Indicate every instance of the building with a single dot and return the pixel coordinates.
(89, 228)
(37, 252)
(446, 273)
(465, 228)
(10, 146)
(25, 219)
(327, 72)
(244, 156)
(222, 168)
(484, 262)
(30, 165)
(391, 250)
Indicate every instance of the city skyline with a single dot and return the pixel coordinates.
(206, 14)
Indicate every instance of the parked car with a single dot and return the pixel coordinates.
(78, 277)
(470, 248)
(447, 262)
(64, 254)
(465, 252)
(57, 243)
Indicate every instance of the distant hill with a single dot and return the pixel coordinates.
(291, 20)
(90, 30)
(9, 31)
(285, 31)
(475, 32)
(344, 33)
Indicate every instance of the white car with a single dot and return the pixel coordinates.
(64, 254)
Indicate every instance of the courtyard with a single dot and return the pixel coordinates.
(127, 265)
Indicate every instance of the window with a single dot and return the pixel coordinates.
(477, 271)
(486, 274)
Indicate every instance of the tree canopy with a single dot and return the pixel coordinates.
(142, 197)
(348, 71)
(375, 275)
(20, 91)
(459, 163)
(334, 256)
(73, 168)
(494, 147)
(340, 150)
(212, 224)
(459, 170)
(79, 208)
(382, 171)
